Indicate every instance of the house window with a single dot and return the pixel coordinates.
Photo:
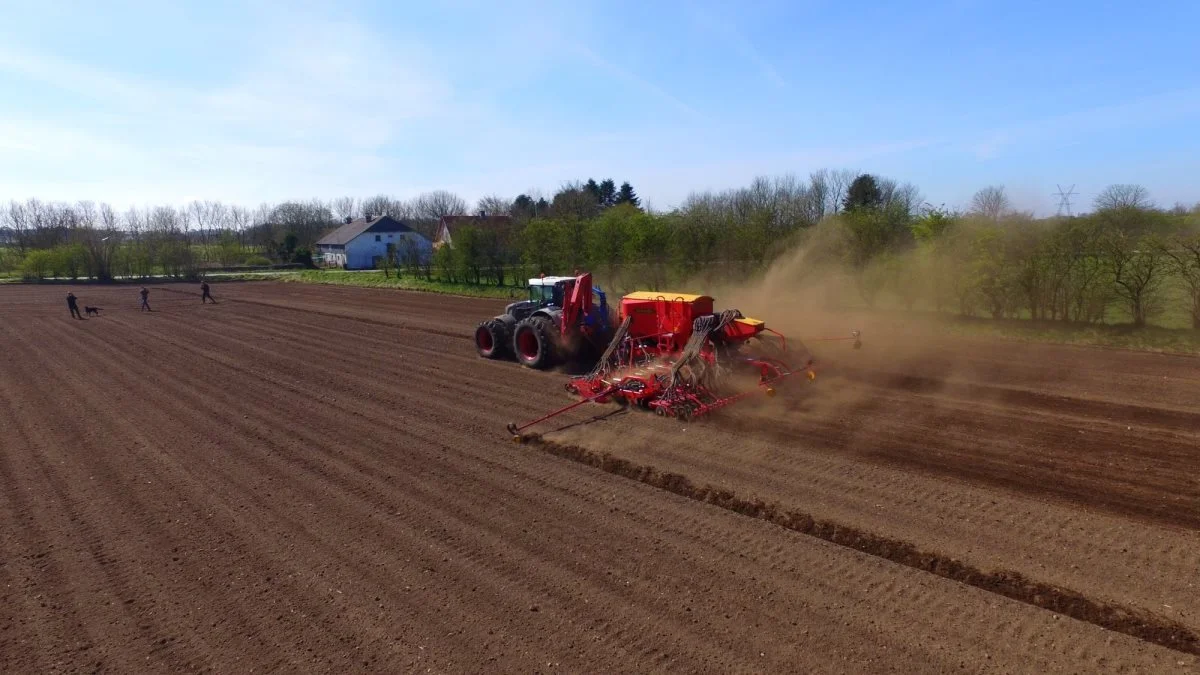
(377, 238)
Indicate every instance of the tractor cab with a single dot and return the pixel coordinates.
(585, 308)
(550, 291)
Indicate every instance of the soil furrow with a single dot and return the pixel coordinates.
(1156, 629)
(317, 480)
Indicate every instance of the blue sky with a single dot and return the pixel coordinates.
(153, 102)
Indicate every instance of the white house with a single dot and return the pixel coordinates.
(360, 243)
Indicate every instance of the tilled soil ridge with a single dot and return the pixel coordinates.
(316, 480)
(1142, 625)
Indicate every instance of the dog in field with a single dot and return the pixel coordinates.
(91, 311)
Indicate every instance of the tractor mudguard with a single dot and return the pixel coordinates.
(552, 313)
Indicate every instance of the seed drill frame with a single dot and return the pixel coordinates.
(673, 355)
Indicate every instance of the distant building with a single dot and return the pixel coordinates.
(448, 224)
(360, 243)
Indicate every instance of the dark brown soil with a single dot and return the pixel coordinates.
(317, 479)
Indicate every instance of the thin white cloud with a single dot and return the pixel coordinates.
(295, 120)
(629, 77)
(82, 79)
(30, 143)
(729, 33)
(1141, 112)
(339, 92)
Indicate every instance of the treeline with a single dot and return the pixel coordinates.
(1128, 261)
(599, 226)
(84, 239)
(94, 241)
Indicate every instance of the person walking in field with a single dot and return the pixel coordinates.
(205, 294)
(145, 299)
(73, 305)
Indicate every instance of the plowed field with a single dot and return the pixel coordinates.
(318, 479)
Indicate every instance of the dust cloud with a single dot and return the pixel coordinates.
(815, 302)
(911, 372)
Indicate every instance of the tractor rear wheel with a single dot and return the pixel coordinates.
(535, 342)
(490, 339)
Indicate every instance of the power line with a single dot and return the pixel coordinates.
(1064, 199)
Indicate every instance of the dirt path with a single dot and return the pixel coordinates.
(315, 479)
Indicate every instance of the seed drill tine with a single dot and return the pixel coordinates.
(613, 344)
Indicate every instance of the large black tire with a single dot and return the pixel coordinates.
(491, 340)
(535, 342)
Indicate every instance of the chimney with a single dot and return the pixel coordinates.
(483, 214)
(367, 216)
(349, 219)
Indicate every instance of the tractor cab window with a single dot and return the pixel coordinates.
(547, 295)
(543, 295)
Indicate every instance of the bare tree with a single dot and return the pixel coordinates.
(1184, 255)
(434, 205)
(218, 215)
(209, 217)
(85, 214)
(494, 205)
(1138, 270)
(818, 194)
(303, 221)
(905, 196)
(101, 239)
(374, 207)
(197, 213)
(166, 220)
(239, 218)
(17, 217)
(383, 205)
(134, 221)
(991, 202)
(39, 224)
(793, 206)
(262, 214)
(109, 220)
(839, 181)
(1122, 196)
(345, 208)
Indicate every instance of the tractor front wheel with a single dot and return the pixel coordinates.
(490, 339)
(535, 342)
